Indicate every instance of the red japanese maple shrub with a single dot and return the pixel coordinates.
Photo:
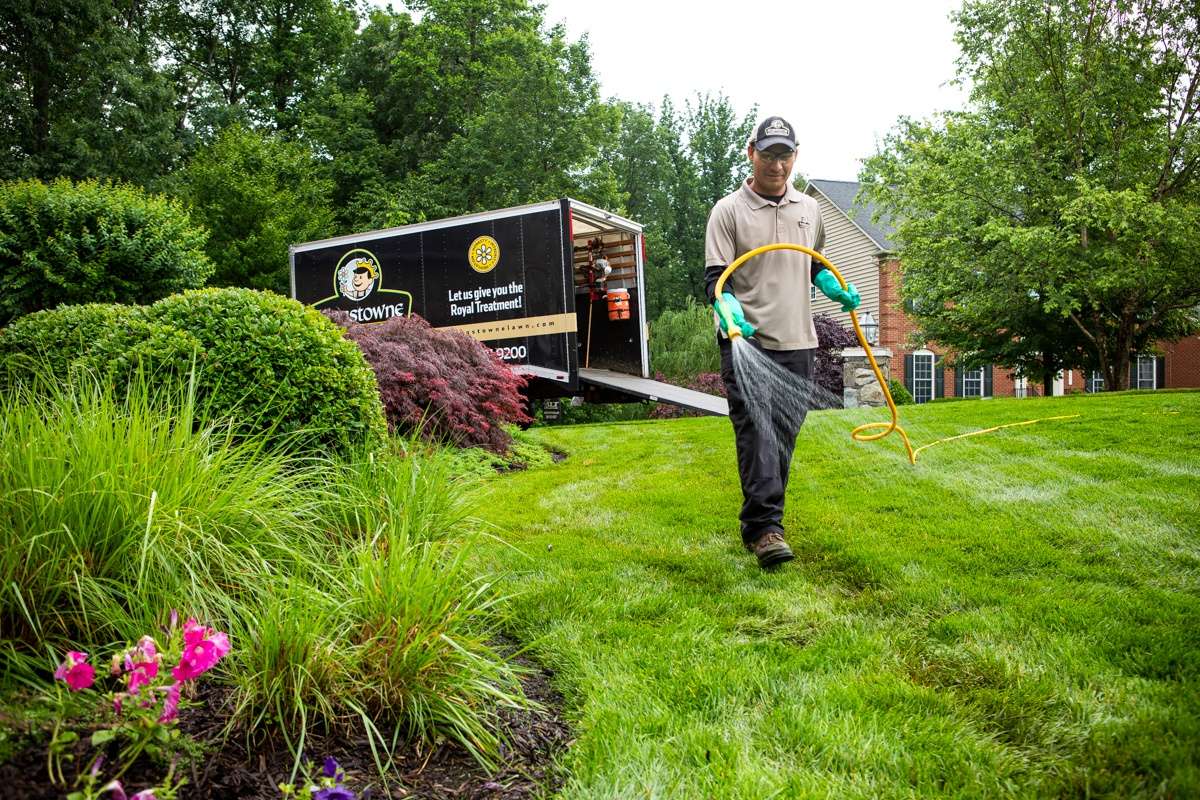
(441, 383)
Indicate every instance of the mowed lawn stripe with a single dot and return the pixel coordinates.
(1016, 615)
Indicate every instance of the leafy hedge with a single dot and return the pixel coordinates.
(92, 242)
(49, 342)
(440, 383)
(265, 361)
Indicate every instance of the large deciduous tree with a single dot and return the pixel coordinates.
(237, 60)
(257, 194)
(80, 93)
(670, 172)
(1051, 224)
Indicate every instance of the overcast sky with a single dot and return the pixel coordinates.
(841, 71)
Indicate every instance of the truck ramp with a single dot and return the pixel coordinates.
(656, 391)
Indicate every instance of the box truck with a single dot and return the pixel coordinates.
(556, 289)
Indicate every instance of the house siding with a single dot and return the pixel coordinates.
(855, 256)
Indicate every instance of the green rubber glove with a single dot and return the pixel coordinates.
(735, 312)
(828, 283)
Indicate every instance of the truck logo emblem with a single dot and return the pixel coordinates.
(358, 290)
(357, 275)
(484, 254)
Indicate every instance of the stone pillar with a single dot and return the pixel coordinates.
(858, 379)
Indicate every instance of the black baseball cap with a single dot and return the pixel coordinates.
(772, 131)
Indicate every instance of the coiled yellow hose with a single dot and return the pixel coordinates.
(859, 434)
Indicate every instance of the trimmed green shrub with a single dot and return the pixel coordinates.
(47, 343)
(141, 344)
(264, 361)
(900, 395)
(93, 242)
(281, 367)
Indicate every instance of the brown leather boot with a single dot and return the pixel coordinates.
(771, 549)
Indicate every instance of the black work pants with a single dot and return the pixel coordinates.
(763, 461)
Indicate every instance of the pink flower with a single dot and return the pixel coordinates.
(140, 676)
(75, 670)
(118, 792)
(202, 648)
(171, 704)
(141, 662)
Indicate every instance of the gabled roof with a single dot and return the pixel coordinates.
(841, 194)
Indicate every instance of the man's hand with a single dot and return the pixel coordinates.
(829, 285)
(735, 314)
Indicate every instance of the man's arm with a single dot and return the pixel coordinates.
(711, 276)
(719, 246)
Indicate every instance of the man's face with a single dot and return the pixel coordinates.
(362, 280)
(771, 168)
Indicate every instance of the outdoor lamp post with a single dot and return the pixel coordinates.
(870, 328)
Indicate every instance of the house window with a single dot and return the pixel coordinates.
(972, 383)
(812, 293)
(1095, 381)
(1020, 387)
(922, 379)
(1145, 373)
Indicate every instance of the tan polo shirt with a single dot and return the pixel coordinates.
(773, 288)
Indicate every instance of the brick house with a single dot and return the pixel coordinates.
(866, 256)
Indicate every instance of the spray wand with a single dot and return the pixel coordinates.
(859, 434)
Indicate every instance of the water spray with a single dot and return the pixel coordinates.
(765, 414)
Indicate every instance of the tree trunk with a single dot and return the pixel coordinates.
(1048, 373)
(1116, 377)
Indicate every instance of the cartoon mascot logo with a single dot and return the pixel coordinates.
(356, 278)
(358, 290)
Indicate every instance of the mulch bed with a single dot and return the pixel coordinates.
(228, 770)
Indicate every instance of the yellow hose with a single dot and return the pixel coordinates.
(858, 434)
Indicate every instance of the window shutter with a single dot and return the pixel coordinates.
(939, 378)
(908, 372)
(958, 381)
(1160, 372)
(987, 381)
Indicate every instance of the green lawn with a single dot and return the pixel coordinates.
(1017, 615)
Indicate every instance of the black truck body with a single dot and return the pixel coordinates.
(531, 282)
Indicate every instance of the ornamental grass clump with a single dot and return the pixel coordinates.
(115, 502)
(440, 383)
(341, 578)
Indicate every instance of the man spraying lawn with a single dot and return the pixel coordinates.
(768, 299)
